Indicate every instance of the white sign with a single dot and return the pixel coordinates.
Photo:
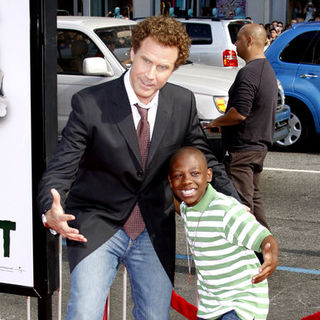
(16, 243)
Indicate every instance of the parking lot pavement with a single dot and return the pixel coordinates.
(292, 202)
(290, 186)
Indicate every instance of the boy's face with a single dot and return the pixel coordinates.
(189, 177)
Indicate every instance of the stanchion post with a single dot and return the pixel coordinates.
(28, 308)
(124, 294)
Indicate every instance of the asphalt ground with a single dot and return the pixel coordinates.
(290, 187)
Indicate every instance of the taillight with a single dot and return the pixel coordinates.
(230, 58)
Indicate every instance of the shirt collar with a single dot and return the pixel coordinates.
(133, 99)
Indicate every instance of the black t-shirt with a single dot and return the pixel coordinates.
(254, 94)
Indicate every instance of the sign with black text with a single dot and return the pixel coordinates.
(16, 227)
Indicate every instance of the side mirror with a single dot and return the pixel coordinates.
(96, 66)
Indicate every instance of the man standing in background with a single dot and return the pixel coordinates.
(248, 124)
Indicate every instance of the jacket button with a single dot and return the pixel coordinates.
(139, 173)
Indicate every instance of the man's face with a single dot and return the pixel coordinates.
(273, 34)
(189, 177)
(241, 44)
(152, 65)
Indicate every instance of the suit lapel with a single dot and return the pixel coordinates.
(122, 115)
(162, 120)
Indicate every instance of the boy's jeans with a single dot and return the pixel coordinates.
(91, 279)
(231, 315)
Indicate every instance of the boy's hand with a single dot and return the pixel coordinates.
(270, 251)
(249, 210)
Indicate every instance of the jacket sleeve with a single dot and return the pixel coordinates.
(64, 163)
(197, 138)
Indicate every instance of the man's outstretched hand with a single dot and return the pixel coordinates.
(57, 219)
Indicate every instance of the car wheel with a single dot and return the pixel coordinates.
(299, 131)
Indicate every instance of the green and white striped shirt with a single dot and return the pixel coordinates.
(222, 237)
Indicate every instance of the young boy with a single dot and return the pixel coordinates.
(222, 236)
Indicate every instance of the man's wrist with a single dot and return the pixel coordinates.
(45, 223)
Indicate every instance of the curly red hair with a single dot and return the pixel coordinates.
(167, 31)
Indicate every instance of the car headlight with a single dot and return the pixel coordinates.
(221, 103)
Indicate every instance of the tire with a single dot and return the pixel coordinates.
(300, 130)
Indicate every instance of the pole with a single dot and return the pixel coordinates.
(43, 63)
(45, 307)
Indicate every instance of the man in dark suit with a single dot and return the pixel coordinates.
(106, 188)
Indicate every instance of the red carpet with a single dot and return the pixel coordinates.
(315, 316)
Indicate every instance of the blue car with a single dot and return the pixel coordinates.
(295, 58)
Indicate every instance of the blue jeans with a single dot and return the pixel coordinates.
(92, 278)
(231, 315)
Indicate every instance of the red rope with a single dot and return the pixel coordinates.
(315, 316)
(182, 306)
(105, 316)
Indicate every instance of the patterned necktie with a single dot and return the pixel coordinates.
(135, 224)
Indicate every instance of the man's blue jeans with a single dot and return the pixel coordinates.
(231, 315)
(92, 278)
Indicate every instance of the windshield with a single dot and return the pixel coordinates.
(118, 40)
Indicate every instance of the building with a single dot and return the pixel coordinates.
(261, 11)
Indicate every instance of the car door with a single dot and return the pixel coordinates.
(307, 80)
(286, 58)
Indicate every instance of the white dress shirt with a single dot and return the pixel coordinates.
(133, 99)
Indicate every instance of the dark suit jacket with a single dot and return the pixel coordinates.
(98, 172)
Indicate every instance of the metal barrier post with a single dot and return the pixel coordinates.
(59, 307)
(28, 308)
(124, 294)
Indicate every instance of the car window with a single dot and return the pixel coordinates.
(200, 33)
(72, 48)
(312, 55)
(294, 53)
(234, 28)
(118, 40)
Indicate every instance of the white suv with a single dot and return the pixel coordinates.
(213, 40)
(93, 50)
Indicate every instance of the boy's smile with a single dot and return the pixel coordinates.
(189, 176)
